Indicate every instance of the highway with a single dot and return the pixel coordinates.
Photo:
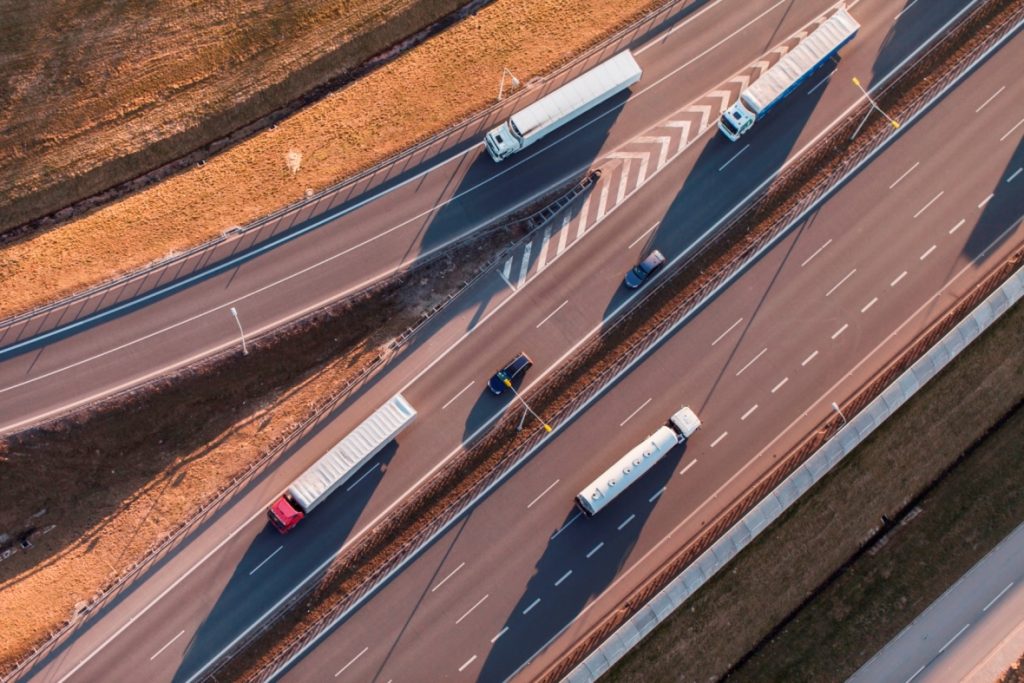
(522, 576)
(413, 207)
(234, 569)
(972, 633)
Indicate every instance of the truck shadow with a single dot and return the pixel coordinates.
(1002, 211)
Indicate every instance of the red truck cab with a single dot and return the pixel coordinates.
(284, 515)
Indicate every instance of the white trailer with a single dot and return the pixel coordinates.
(563, 105)
(336, 466)
(637, 462)
(779, 81)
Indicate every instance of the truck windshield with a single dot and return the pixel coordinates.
(727, 122)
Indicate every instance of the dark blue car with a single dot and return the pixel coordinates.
(512, 369)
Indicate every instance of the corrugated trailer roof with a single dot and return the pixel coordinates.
(815, 47)
(615, 72)
(335, 466)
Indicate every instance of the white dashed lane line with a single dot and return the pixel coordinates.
(836, 285)
(720, 437)
(541, 495)
(468, 662)
(731, 328)
(840, 331)
(819, 250)
(552, 313)
(869, 305)
(365, 475)
(499, 634)
(925, 255)
(478, 603)
(450, 575)
(656, 495)
(897, 181)
(957, 226)
(749, 412)
(925, 207)
(452, 399)
(633, 414)
(1001, 594)
(777, 387)
(1010, 132)
(688, 466)
(751, 361)
(986, 200)
(257, 567)
(626, 521)
(733, 158)
(157, 653)
(352, 661)
(532, 605)
(985, 103)
(1015, 174)
(950, 641)
(809, 359)
(563, 578)
(595, 549)
(898, 278)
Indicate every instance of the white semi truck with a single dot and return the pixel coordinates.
(637, 462)
(343, 460)
(779, 81)
(582, 93)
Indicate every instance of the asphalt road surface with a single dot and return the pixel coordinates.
(234, 569)
(973, 633)
(413, 207)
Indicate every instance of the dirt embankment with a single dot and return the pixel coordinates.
(93, 493)
(420, 93)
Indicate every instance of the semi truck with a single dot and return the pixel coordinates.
(779, 81)
(336, 466)
(637, 462)
(582, 93)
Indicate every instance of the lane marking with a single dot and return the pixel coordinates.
(478, 603)
(720, 437)
(644, 234)
(602, 204)
(450, 575)
(368, 473)
(595, 549)
(657, 494)
(1001, 594)
(840, 331)
(1015, 174)
(916, 673)
(551, 314)
(923, 256)
(532, 605)
(688, 466)
(925, 207)
(256, 568)
(957, 226)
(983, 104)
(581, 225)
(733, 157)
(524, 267)
(986, 200)
(897, 181)
(809, 359)
(566, 525)
(563, 235)
(452, 399)
(468, 662)
(749, 412)
(950, 641)
(909, 5)
(157, 653)
(352, 661)
(898, 278)
(780, 384)
(822, 82)
(869, 305)
(836, 285)
(563, 578)
(631, 415)
(542, 258)
(1009, 132)
(731, 328)
(808, 259)
(499, 634)
(553, 484)
(752, 361)
(625, 522)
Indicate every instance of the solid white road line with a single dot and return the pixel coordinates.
(644, 234)
(837, 285)
(1015, 174)
(452, 399)
(986, 200)
(368, 473)
(499, 634)
(1007, 134)
(749, 412)
(925, 255)
(563, 578)
(595, 549)
(631, 415)
(157, 653)
(688, 466)
(352, 661)
(950, 641)
(551, 314)
(733, 157)
(731, 328)
(256, 568)
(898, 278)
(752, 361)
(657, 495)
(468, 662)
(925, 207)
(720, 437)
(869, 305)
(780, 384)
(985, 103)
(626, 521)
(478, 603)
(532, 605)
(566, 525)
(809, 359)
(450, 575)
(897, 181)
(553, 484)
(818, 251)
(840, 331)
(1001, 594)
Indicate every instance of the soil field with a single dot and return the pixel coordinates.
(216, 65)
(142, 462)
(746, 601)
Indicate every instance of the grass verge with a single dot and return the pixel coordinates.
(746, 601)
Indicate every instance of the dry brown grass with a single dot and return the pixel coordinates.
(420, 93)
